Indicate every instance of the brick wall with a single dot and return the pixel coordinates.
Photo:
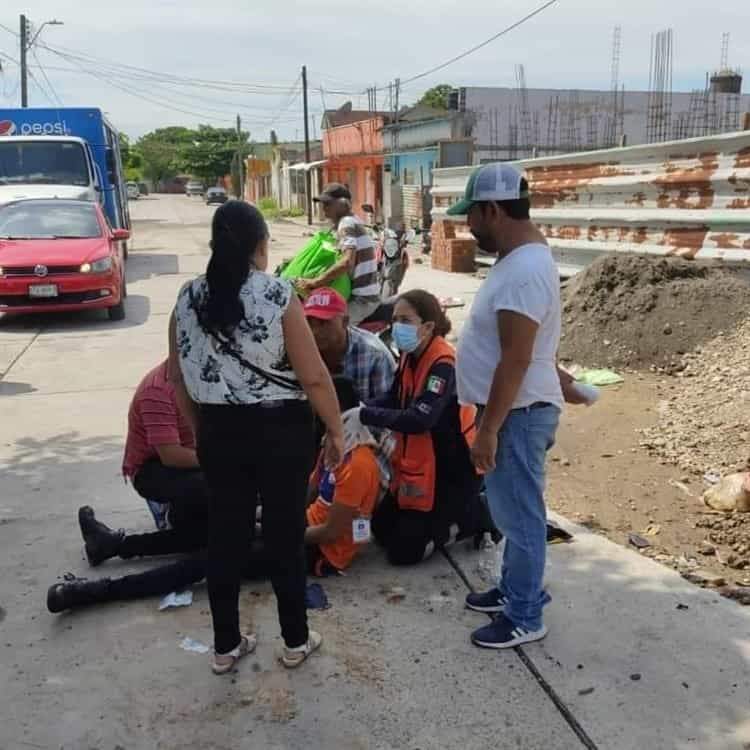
(451, 249)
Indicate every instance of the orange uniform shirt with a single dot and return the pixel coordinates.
(356, 483)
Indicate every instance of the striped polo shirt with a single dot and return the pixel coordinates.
(352, 235)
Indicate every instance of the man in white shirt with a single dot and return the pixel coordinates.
(507, 365)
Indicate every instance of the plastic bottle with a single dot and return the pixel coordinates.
(488, 565)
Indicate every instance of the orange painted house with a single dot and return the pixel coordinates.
(353, 147)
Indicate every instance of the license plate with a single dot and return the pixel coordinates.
(43, 290)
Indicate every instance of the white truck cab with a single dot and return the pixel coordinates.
(47, 166)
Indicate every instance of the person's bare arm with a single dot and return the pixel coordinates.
(185, 404)
(339, 521)
(517, 334)
(314, 378)
(345, 265)
(569, 391)
(177, 456)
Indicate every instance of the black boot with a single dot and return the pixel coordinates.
(64, 596)
(101, 541)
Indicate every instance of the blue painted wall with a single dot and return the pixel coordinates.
(411, 162)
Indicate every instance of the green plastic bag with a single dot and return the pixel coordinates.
(315, 258)
(599, 377)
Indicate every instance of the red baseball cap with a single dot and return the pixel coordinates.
(324, 304)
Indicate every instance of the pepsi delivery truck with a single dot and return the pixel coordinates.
(63, 153)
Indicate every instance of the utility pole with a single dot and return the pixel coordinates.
(308, 182)
(24, 67)
(239, 157)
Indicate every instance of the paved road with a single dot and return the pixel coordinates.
(390, 675)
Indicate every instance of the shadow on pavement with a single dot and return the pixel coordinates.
(9, 388)
(137, 312)
(145, 265)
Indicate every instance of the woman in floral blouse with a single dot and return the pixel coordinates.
(244, 365)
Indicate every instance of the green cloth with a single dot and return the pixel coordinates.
(314, 259)
(599, 377)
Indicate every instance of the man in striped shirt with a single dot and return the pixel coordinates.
(358, 255)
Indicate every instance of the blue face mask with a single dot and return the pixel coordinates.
(405, 336)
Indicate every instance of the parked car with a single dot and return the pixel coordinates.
(134, 192)
(58, 255)
(216, 195)
(194, 187)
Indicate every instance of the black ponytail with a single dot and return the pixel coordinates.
(237, 231)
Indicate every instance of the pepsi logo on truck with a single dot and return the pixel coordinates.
(8, 127)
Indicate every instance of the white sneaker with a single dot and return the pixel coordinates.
(293, 657)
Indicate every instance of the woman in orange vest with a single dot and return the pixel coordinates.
(434, 490)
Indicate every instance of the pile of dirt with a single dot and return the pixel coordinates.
(645, 313)
(704, 424)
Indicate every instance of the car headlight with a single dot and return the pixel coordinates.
(98, 266)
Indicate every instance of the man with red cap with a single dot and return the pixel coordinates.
(346, 350)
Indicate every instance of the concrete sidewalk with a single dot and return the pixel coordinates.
(393, 672)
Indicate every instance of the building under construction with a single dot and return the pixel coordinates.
(512, 123)
(508, 125)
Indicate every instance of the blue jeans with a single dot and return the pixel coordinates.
(515, 493)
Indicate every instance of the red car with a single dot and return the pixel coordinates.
(59, 255)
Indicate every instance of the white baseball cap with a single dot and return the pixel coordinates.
(491, 182)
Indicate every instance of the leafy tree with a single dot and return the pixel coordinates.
(437, 96)
(212, 151)
(162, 152)
(132, 160)
(205, 153)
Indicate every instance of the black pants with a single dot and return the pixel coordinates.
(247, 452)
(178, 575)
(408, 534)
(187, 494)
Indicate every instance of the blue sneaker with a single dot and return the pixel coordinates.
(502, 633)
(490, 601)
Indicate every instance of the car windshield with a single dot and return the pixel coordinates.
(48, 219)
(42, 163)
(216, 191)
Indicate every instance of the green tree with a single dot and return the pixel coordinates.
(132, 160)
(211, 153)
(437, 96)
(162, 152)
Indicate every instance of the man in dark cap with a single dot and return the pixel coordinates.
(358, 254)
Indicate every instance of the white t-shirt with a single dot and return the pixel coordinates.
(525, 281)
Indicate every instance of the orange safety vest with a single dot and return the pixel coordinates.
(414, 466)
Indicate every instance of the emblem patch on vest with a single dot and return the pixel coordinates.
(435, 384)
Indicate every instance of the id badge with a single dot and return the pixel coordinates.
(361, 530)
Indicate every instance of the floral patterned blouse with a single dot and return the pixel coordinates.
(248, 365)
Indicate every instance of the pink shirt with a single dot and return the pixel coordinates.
(153, 419)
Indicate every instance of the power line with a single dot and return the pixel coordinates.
(151, 75)
(479, 46)
(42, 90)
(46, 78)
(232, 106)
(209, 113)
(458, 57)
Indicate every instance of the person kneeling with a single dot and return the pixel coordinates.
(434, 494)
(342, 500)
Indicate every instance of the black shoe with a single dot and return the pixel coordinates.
(64, 596)
(101, 541)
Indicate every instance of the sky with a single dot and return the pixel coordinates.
(347, 47)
